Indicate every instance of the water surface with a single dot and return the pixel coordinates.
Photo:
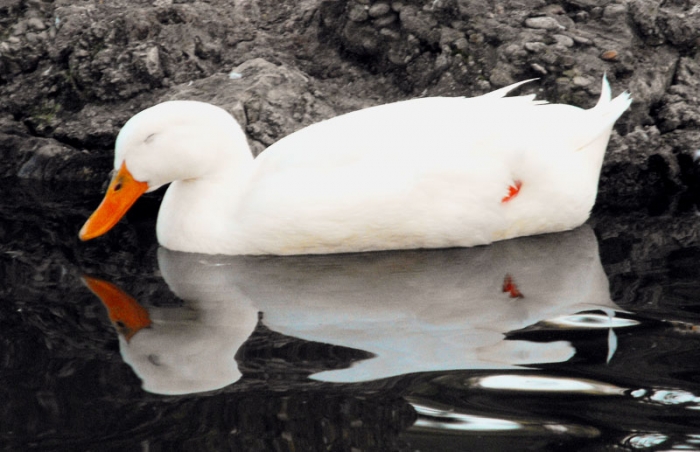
(585, 340)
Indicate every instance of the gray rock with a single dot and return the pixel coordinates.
(268, 100)
(563, 40)
(581, 81)
(358, 13)
(420, 24)
(538, 68)
(71, 73)
(535, 46)
(379, 9)
(385, 20)
(36, 24)
(544, 23)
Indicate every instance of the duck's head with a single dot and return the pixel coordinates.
(175, 140)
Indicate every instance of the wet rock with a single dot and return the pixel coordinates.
(379, 9)
(269, 101)
(358, 13)
(649, 87)
(73, 73)
(609, 55)
(581, 81)
(544, 23)
(420, 24)
(535, 46)
(36, 24)
(681, 104)
(564, 41)
(44, 159)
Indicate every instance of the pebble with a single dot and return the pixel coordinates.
(389, 33)
(564, 40)
(609, 55)
(554, 9)
(19, 28)
(581, 40)
(538, 68)
(581, 16)
(614, 12)
(358, 13)
(461, 44)
(397, 6)
(567, 61)
(581, 81)
(442, 62)
(476, 38)
(379, 9)
(534, 46)
(544, 23)
(384, 21)
(36, 24)
(448, 35)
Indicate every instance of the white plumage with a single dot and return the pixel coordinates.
(422, 173)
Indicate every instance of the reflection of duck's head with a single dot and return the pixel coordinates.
(125, 313)
(179, 350)
(416, 310)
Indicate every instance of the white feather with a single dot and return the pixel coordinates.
(423, 173)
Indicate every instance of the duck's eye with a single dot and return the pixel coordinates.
(149, 138)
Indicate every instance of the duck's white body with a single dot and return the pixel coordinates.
(423, 173)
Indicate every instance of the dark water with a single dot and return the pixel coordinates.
(586, 340)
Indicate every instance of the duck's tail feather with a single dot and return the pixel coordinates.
(605, 113)
(605, 93)
(611, 109)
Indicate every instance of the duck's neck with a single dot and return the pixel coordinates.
(196, 215)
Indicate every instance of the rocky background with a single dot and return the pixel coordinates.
(72, 72)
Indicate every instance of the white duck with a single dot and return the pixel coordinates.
(423, 173)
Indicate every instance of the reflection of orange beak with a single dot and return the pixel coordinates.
(122, 193)
(126, 314)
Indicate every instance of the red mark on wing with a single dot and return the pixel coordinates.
(513, 191)
(511, 288)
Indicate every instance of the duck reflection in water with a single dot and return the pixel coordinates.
(415, 311)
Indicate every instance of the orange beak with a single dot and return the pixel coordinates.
(122, 193)
(126, 314)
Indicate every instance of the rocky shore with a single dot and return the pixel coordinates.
(71, 73)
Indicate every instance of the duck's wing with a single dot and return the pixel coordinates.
(413, 130)
(502, 92)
